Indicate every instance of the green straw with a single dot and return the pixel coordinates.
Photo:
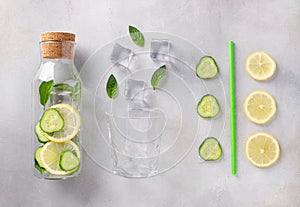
(232, 107)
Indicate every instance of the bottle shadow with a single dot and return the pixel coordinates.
(86, 186)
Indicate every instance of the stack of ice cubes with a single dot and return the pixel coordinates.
(135, 90)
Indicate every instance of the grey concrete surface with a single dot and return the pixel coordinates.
(273, 26)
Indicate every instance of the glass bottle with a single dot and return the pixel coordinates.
(56, 109)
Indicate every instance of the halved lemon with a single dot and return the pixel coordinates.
(260, 106)
(71, 123)
(50, 156)
(262, 149)
(260, 65)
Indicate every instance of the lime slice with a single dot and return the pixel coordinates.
(71, 123)
(210, 149)
(260, 107)
(260, 65)
(68, 160)
(208, 106)
(41, 135)
(51, 154)
(207, 68)
(51, 121)
(262, 149)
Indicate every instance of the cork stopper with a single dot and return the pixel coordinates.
(57, 44)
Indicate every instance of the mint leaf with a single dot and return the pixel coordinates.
(45, 90)
(76, 92)
(158, 75)
(64, 86)
(111, 86)
(136, 36)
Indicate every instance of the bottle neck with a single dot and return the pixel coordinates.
(57, 69)
(57, 60)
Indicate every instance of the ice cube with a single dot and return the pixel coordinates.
(143, 99)
(134, 89)
(160, 50)
(120, 72)
(121, 55)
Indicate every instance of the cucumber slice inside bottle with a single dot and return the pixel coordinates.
(37, 156)
(51, 121)
(207, 68)
(38, 167)
(37, 160)
(40, 133)
(210, 149)
(208, 106)
(68, 160)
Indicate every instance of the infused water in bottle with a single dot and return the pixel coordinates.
(56, 109)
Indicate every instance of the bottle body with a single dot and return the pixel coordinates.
(56, 102)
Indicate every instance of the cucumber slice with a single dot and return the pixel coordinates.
(37, 156)
(40, 133)
(210, 149)
(68, 160)
(208, 106)
(207, 68)
(38, 167)
(37, 160)
(51, 121)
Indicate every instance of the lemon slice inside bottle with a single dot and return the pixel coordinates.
(51, 153)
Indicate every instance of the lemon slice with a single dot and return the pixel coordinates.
(260, 65)
(50, 156)
(260, 106)
(71, 123)
(262, 149)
